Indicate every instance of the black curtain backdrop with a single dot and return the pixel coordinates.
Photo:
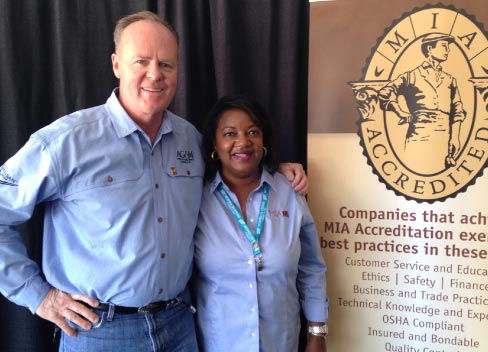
(55, 59)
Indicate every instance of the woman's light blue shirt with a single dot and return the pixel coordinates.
(238, 307)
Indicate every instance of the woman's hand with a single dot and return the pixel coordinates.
(315, 344)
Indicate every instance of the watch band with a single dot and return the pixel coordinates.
(321, 330)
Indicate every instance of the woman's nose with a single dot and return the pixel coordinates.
(243, 140)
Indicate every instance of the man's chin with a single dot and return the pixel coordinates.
(154, 108)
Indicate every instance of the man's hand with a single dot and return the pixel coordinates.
(296, 175)
(58, 305)
(405, 117)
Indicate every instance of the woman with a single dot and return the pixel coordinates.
(257, 256)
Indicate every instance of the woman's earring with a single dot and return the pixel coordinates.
(214, 155)
(265, 152)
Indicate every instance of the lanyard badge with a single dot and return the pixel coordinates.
(253, 239)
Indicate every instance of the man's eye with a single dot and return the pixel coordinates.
(165, 66)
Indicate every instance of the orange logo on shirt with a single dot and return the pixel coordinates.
(278, 213)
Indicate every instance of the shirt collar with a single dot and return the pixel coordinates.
(426, 65)
(123, 123)
(266, 177)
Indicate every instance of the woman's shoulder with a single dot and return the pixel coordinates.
(279, 183)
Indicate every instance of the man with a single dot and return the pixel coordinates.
(433, 112)
(122, 185)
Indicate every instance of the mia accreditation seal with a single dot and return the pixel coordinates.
(423, 104)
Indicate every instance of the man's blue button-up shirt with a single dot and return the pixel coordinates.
(120, 213)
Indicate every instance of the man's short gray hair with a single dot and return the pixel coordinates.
(124, 22)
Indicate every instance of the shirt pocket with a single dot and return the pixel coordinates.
(103, 171)
(184, 184)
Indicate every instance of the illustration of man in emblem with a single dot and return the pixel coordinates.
(428, 100)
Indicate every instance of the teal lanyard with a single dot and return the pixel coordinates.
(253, 239)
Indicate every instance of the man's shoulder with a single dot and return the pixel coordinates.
(180, 125)
(75, 121)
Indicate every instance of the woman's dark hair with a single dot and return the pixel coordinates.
(258, 115)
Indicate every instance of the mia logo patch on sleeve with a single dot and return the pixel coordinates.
(423, 104)
(5, 178)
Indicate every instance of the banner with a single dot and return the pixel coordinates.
(396, 165)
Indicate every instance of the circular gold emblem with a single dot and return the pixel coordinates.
(423, 104)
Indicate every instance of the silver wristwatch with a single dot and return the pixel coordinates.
(321, 330)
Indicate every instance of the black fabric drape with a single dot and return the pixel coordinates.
(55, 59)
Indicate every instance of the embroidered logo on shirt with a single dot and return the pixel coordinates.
(423, 102)
(278, 213)
(5, 178)
(185, 156)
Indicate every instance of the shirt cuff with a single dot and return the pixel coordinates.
(33, 294)
(316, 311)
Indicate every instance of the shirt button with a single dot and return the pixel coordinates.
(156, 185)
(253, 309)
(251, 219)
(253, 334)
(160, 219)
(109, 179)
(249, 261)
(163, 255)
(251, 285)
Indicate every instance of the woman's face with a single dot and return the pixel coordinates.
(239, 144)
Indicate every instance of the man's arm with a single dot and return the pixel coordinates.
(454, 143)
(295, 173)
(458, 114)
(24, 182)
(388, 99)
(27, 179)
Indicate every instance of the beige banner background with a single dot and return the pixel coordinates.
(376, 290)
(402, 276)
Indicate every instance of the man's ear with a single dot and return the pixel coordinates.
(115, 65)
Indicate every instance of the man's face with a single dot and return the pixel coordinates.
(146, 63)
(440, 51)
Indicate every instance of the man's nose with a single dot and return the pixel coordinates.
(154, 72)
